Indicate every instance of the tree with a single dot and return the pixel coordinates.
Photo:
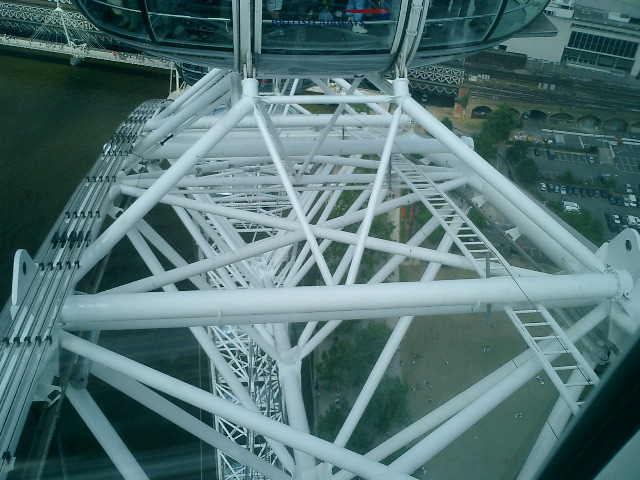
(330, 370)
(387, 407)
(583, 222)
(485, 145)
(416, 218)
(463, 100)
(610, 183)
(567, 177)
(381, 227)
(517, 151)
(477, 218)
(495, 129)
(350, 361)
(500, 122)
(388, 404)
(330, 422)
(367, 344)
(555, 205)
(527, 171)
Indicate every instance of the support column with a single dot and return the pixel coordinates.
(105, 434)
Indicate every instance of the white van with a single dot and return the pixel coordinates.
(570, 206)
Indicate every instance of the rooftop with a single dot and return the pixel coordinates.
(616, 13)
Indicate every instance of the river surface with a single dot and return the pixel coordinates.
(54, 120)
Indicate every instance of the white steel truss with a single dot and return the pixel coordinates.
(280, 193)
(43, 15)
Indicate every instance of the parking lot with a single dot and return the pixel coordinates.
(627, 157)
(613, 208)
(573, 139)
(615, 160)
(577, 158)
(583, 179)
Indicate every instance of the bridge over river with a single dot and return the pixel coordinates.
(64, 31)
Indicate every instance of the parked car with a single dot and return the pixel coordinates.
(596, 193)
(591, 159)
(627, 188)
(604, 177)
(551, 154)
(536, 152)
(583, 192)
(612, 200)
(625, 201)
(563, 189)
(590, 192)
(542, 187)
(619, 201)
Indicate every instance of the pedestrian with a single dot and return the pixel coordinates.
(353, 7)
(274, 7)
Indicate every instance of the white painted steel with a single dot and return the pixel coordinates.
(170, 411)
(111, 236)
(106, 435)
(316, 120)
(510, 375)
(174, 149)
(257, 302)
(502, 185)
(208, 402)
(264, 194)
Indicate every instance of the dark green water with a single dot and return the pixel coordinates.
(54, 119)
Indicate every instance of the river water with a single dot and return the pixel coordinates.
(54, 120)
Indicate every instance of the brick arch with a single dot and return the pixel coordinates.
(588, 121)
(562, 118)
(481, 111)
(615, 125)
(534, 114)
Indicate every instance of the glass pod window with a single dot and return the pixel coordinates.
(517, 14)
(122, 17)
(454, 23)
(199, 22)
(329, 26)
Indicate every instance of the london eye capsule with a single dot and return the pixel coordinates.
(307, 38)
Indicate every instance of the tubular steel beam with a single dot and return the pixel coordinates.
(226, 305)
